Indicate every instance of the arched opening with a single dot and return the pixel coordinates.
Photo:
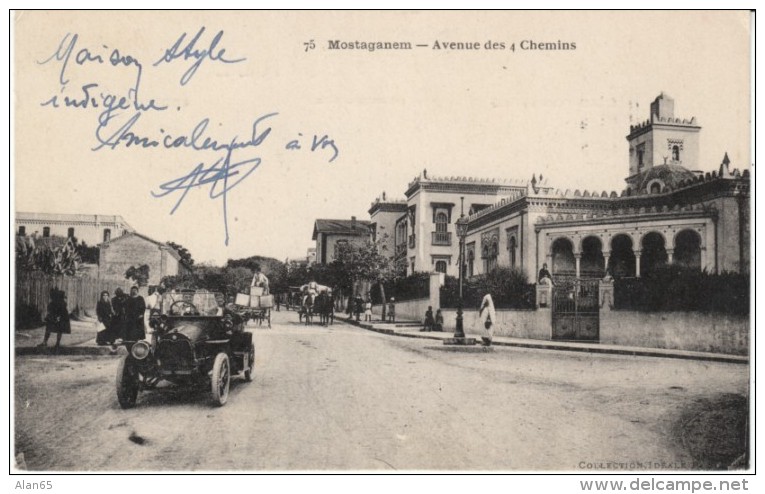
(622, 260)
(471, 262)
(688, 249)
(655, 188)
(491, 256)
(563, 262)
(676, 153)
(441, 267)
(592, 264)
(654, 254)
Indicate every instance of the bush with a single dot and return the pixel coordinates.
(509, 289)
(676, 288)
(412, 287)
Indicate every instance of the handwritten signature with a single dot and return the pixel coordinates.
(219, 176)
(189, 50)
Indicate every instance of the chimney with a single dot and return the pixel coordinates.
(353, 222)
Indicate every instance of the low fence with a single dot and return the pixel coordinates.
(33, 294)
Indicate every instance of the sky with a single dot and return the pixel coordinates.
(386, 114)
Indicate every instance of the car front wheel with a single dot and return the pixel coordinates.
(127, 383)
(220, 379)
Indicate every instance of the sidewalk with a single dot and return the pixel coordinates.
(411, 329)
(81, 341)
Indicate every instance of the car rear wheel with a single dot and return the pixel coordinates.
(221, 379)
(127, 383)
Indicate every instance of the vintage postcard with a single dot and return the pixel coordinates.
(281, 241)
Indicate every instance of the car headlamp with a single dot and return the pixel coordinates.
(140, 350)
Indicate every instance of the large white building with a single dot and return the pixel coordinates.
(93, 229)
(670, 212)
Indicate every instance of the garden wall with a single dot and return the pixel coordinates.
(693, 331)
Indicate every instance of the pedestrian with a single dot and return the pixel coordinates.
(357, 307)
(331, 307)
(154, 306)
(428, 323)
(259, 280)
(439, 324)
(392, 310)
(105, 315)
(118, 321)
(487, 316)
(368, 311)
(544, 278)
(135, 307)
(57, 319)
(278, 301)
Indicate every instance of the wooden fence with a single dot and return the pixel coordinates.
(33, 291)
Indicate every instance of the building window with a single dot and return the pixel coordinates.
(22, 231)
(640, 155)
(70, 232)
(46, 231)
(493, 254)
(675, 153)
(441, 267)
(511, 246)
(442, 222)
(107, 234)
(340, 245)
(470, 264)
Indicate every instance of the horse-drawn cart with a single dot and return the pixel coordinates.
(255, 306)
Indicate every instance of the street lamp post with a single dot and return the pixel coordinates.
(462, 226)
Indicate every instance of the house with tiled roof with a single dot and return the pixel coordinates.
(329, 233)
(134, 249)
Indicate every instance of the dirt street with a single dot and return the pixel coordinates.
(348, 399)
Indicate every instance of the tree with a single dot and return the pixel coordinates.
(356, 262)
(186, 258)
(50, 255)
(139, 274)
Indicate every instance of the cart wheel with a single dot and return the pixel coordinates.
(221, 379)
(251, 359)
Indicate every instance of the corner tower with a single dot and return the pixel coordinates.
(663, 139)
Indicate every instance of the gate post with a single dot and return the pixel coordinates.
(544, 295)
(606, 294)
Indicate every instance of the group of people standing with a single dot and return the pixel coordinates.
(122, 317)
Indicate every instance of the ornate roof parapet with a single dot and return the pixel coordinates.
(383, 199)
(632, 212)
(502, 202)
(541, 185)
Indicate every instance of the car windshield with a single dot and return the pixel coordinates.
(200, 303)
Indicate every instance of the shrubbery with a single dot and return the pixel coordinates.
(412, 287)
(509, 288)
(674, 288)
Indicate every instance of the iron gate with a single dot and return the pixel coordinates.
(575, 310)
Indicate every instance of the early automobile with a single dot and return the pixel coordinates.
(194, 340)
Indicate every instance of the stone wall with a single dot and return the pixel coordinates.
(116, 257)
(410, 310)
(532, 324)
(691, 331)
